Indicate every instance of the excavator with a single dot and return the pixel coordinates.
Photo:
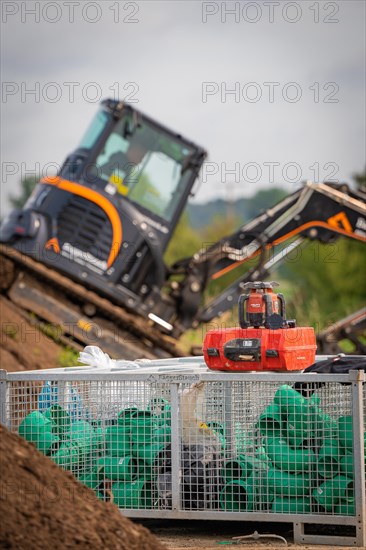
(86, 251)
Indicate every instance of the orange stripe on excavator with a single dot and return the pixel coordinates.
(303, 227)
(98, 199)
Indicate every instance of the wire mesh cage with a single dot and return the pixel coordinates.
(173, 439)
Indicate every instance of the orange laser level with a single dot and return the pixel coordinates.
(266, 340)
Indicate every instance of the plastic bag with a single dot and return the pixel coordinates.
(95, 357)
(49, 395)
(192, 406)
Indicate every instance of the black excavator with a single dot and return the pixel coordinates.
(86, 251)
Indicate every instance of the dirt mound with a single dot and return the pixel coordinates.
(22, 345)
(44, 507)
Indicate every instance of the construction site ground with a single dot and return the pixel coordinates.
(213, 535)
(42, 506)
(22, 345)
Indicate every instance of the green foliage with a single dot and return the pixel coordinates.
(242, 209)
(27, 185)
(184, 242)
(52, 331)
(265, 198)
(347, 346)
(68, 357)
(328, 280)
(219, 227)
(10, 330)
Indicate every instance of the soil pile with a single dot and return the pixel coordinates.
(44, 507)
(22, 345)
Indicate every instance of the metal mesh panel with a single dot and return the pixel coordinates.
(263, 447)
(211, 445)
(109, 434)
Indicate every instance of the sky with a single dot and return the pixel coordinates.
(273, 90)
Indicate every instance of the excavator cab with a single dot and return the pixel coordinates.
(130, 156)
(107, 217)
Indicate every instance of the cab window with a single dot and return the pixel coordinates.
(146, 165)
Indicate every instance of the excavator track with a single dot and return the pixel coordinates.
(19, 272)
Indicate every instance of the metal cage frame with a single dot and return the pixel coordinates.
(174, 375)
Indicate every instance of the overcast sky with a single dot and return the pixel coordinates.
(296, 71)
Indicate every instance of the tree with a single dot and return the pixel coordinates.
(263, 199)
(184, 242)
(27, 185)
(327, 282)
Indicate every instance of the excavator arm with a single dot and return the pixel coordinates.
(322, 212)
